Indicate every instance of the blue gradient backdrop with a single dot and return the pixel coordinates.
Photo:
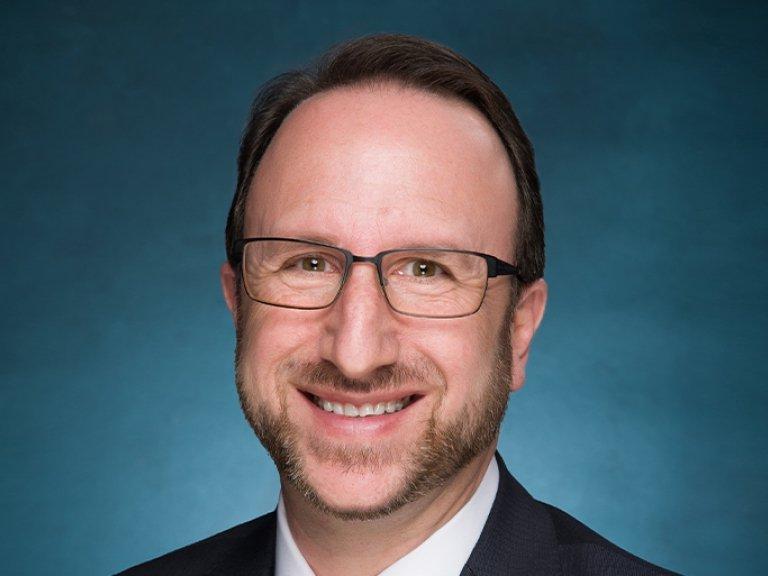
(644, 412)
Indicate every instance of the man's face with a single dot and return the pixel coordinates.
(370, 170)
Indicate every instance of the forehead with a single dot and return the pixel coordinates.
(372, 168)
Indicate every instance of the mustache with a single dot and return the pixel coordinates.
(389, 377)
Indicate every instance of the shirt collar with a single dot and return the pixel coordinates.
(444, 553)
(288, 558)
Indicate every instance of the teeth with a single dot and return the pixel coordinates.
(364, 410)
(350, 410)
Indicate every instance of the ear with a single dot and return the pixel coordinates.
(229, 288)
(528, 314)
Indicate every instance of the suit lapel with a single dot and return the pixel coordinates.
(518, 539)
(253, 555)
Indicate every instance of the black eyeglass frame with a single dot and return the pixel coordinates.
(495, 267)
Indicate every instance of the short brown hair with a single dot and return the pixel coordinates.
(412, 62)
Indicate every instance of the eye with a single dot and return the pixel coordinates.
(422, 269)
(313, 263)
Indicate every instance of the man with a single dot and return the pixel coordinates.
(384, 270)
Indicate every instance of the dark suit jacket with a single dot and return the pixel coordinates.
(522, 537)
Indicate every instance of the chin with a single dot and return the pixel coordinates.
(362, 489)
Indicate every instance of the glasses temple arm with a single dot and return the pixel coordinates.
(498, 267)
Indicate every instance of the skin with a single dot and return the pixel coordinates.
(370, 169)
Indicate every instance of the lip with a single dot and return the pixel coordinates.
(368, 428)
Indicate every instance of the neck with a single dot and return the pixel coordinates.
(338, 547)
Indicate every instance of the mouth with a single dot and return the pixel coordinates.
(363, 410)
(362, 418)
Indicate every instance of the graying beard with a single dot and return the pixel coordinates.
(443, 453)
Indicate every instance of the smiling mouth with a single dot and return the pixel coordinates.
(362, 410)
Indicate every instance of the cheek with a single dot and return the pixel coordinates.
(272, 335)
(464, 353)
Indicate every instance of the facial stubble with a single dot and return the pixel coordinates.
(443, 450)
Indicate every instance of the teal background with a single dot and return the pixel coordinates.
(644, 411)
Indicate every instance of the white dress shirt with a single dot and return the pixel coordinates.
(444, 553)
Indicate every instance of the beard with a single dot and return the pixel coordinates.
(429, 462)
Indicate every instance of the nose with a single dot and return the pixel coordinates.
(360, 330)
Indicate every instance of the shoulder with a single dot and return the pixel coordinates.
(583, 551)
(248, 548)
(530, 537)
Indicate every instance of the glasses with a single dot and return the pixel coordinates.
(422, 282)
